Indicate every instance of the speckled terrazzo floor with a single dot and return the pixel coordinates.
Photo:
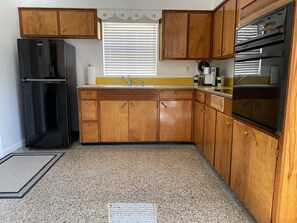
(174, 177)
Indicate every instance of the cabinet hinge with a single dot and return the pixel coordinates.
(277, 152)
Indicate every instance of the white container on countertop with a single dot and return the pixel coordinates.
(91, 75)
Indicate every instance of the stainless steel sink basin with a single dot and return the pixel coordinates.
(128, 86)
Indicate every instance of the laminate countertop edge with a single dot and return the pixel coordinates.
(207, 89)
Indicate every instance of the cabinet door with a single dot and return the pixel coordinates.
(38, 22)
(223, 146)
(142, 121)
(89, 132)
(241, 144)
(175, 35)
(89, 110)
(217, 32)
(244, 3)
(229, 27)
(260, 177)
(199, 124)
(209, 133)
(78, 23)
(175, 120)
(199, 35)
(114, 121)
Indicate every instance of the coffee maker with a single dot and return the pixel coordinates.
(207, 76)
(214, 73)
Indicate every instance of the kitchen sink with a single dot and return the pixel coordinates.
(127, 86)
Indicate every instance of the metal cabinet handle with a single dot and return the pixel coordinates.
(245, 133)
(163, 104)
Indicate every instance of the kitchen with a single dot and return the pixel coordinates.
(88, 53)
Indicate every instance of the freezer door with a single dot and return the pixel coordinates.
(46, 118)
(41, 59)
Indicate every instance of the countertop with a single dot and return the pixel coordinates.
(224, 91)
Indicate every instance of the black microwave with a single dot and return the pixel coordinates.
(262, 51)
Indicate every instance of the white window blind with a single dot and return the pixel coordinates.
(251, 67)
(130, 48)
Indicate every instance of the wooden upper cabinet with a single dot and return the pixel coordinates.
(78, 22)
(224, 30)
(229, 28)
(38, 22)
(50, 22)
(244, 3)
(186, 35)
(199, 35)
(252, 9)
(175, 35)
(218, 32)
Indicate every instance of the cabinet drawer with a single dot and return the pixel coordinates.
(200, 96)
(89, 110)
(88, 94)
(89, 132)
(176, 94)
(217, 102)
(124, 94)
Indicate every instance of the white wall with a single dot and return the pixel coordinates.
(215, 3)
(122, 4)
(88, 51)
(226, 66)
(10, 119)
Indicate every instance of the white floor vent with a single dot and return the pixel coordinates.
(132, 213)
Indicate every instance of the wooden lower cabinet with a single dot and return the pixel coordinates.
(143, 121)
(89, 132)
(176, 120)
(89, 110)
(253, 169)
(124, 121)
(223, 146)
(114, 121)
(209, 133)
(199, 124)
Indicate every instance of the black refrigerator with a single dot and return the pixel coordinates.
(47, 71)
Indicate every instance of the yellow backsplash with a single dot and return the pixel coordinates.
(175, 81)
(147, 81)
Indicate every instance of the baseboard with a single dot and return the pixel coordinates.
(12, 148)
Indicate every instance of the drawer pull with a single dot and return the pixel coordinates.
(245, 133)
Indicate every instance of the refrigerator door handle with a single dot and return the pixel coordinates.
(43, 80)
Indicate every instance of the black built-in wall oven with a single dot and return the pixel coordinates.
(262, 51)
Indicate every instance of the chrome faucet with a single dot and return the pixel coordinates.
(238, 79)
(128, 79)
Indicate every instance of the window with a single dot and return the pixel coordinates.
(130, 48)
